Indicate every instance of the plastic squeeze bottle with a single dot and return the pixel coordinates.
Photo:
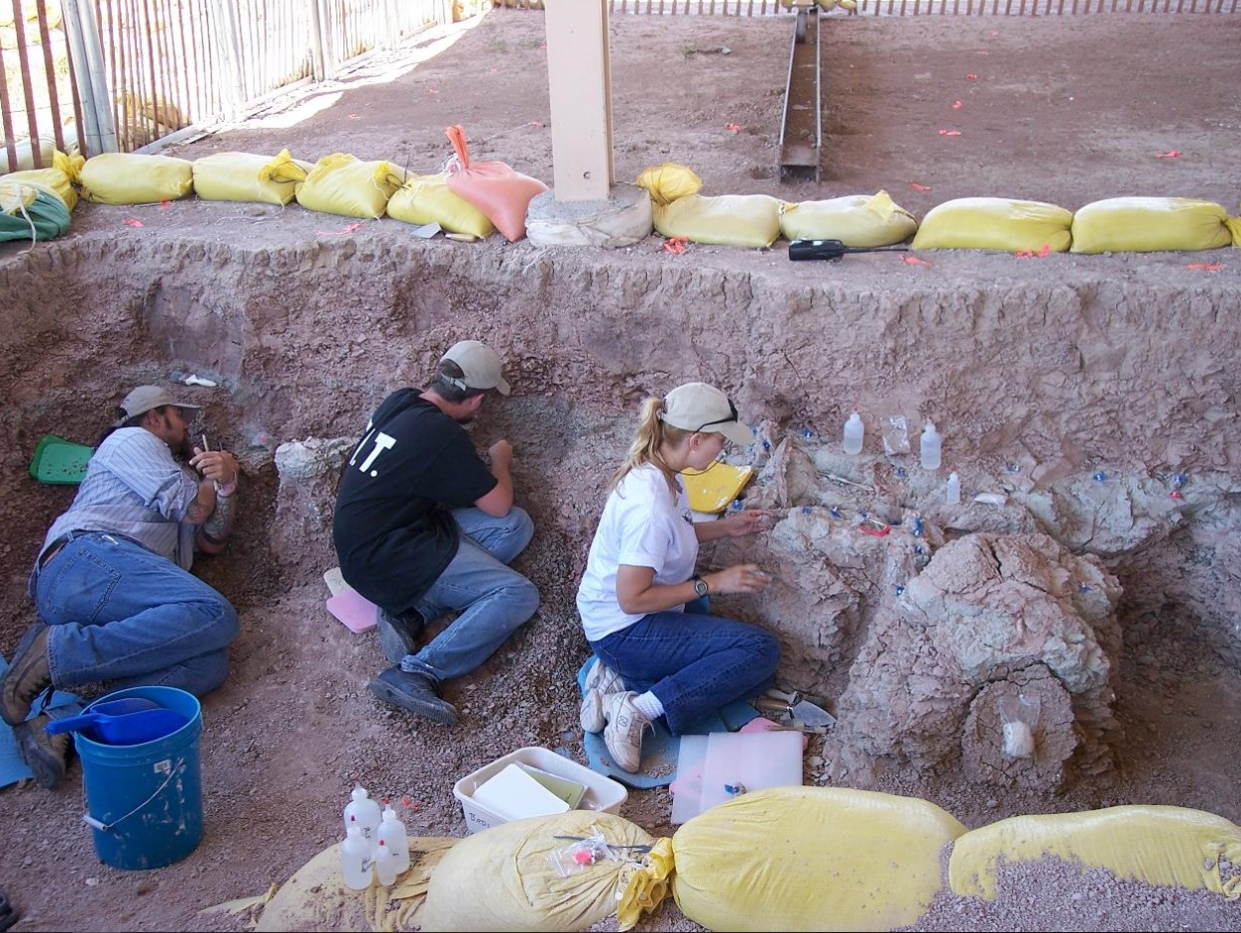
(364, 813)
(392, 834)
(355, 859)
(854, 432)
(385, 865)
(931, 447)
(953, 495)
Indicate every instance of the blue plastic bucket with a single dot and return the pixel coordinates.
(146, 801)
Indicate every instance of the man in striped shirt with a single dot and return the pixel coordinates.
(112, 584)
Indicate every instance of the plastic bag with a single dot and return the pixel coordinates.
(668, 182)
(1145, 225)
(1020, 718)
(242, 176)
(341, 184)
(856, 220)
(427, 199)
(498, 191)
(751, 220)
(126, 178)
(995, 223)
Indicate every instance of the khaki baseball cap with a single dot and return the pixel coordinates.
(480, 366)
(143, 399)
(697, 406)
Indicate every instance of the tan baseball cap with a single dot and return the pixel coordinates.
(143, 399)
(697, 406)
(480, 366)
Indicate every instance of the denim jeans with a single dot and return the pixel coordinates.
(693, 663)
(492, 599)
(118, 612)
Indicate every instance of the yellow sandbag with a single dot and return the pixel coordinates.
(241, 176)
(1170, 846)
(995, 223)
(811, 858)
(427, 199)
(1148, 225)
(53, 180)
(316, 896)
(857, 220)
(501, 879)
(340, 184)
(668, 182)
(729, 220)
(126, 178)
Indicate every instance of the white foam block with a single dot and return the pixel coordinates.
(515, 794)
(335, 581)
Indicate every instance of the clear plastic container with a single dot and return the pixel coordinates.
(931, 447)
(392, 834)
(855, 432)
(355, 860)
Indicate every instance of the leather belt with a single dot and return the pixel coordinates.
(55, 548)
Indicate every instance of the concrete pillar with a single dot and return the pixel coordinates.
(579, 78)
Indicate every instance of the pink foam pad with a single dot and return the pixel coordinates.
(762, 724)
(355, 611)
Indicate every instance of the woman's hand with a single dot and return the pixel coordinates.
(740, 578)
(749, 521)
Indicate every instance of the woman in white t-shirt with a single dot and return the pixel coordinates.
(675, 662)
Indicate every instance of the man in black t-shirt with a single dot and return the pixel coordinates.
(422, 526)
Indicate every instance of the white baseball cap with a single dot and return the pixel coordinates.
(697, 406)
(480, 366)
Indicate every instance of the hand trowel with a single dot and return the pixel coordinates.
(794, 709)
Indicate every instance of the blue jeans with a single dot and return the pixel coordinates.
(120, 613)
(493, 600)
(693, 663)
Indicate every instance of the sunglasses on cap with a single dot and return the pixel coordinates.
(732, 418)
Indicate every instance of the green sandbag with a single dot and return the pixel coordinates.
(47, 213)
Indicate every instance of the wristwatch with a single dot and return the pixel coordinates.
(700, 585)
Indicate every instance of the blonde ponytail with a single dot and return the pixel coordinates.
(651, 436)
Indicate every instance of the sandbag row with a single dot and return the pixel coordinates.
(1113, 225)
(478, 198)
(807, 858)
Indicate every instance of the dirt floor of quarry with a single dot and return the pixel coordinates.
(308, 325)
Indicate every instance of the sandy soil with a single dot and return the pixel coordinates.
(1062, 110)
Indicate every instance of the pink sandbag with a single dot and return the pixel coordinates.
(500, 193)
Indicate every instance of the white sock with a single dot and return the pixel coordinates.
(648, 705)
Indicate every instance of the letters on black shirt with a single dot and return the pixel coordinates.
(393, 526)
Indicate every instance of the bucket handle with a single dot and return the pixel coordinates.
(108, 827)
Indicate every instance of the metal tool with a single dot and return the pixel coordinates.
(795, 709)
(834, 249)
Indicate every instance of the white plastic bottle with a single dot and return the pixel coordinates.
(365, 813)
(954, 489)
(385, 865)
(854, 432)
(931, 447)
(355, 860)
(392, 834)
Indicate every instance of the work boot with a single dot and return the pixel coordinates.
(623, 733)
(27, 677)
(398, 633)
(415, 693)
(47, 755)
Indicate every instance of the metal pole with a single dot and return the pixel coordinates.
(92, 80)
(228, 40)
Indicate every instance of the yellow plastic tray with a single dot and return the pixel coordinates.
(715, 487)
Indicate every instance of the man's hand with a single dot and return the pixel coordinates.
(501, 454)
(217, 465)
